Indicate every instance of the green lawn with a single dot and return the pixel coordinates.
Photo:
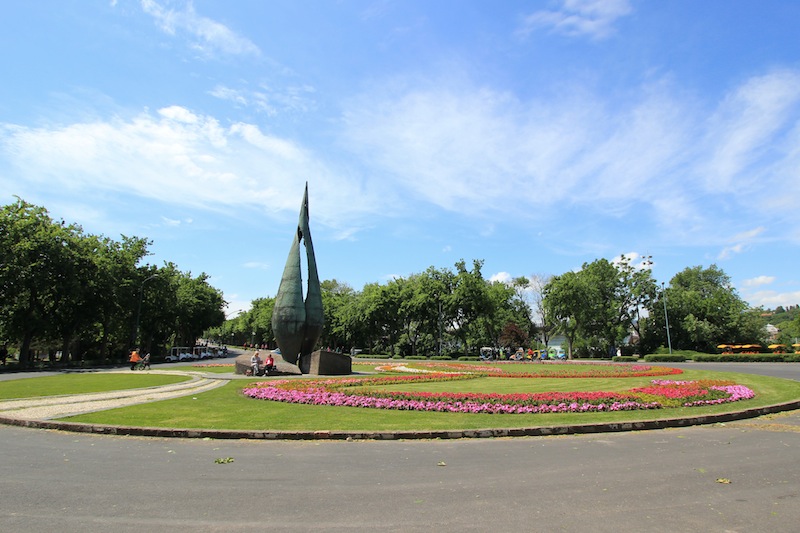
(83, 383)
(227, 408)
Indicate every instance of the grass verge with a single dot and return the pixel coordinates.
(83, 383)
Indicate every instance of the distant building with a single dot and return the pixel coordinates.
(772, 332)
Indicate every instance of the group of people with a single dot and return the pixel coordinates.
(136, 359)
(262, 368)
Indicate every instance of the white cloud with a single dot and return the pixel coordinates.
(772, 299)
(744, 128)
(593, 18)
(503, 277)
(758, 281)
(637, 261)
(474, 149)
(208, 36)
(186, 159)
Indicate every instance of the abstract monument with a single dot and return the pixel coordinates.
(297, 322)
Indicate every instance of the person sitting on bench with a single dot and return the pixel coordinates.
(269, 364)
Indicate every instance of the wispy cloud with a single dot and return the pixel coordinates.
(268, 100)
(578, 18)
(184, 159)
(465, 148)
(475, 149)
(206, 35)
(741, 242)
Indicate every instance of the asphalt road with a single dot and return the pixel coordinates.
(741, 476)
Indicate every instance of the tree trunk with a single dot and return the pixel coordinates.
(65, 350)
(25, 349)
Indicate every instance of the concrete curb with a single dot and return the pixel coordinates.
(576, 429)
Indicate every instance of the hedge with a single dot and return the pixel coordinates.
(740, 358)
(664, 358)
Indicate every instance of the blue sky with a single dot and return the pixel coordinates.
(533, 135)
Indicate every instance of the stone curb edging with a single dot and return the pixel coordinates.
(576, 429)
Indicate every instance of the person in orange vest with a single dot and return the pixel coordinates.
(134, 359)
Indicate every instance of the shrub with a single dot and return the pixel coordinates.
(665, 358)
(372, 356)
(624, 359)
(441, 358)
(469, 358)
(417, 357)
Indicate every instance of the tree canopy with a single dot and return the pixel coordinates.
(83, 295)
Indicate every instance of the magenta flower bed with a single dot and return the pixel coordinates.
(357, 392)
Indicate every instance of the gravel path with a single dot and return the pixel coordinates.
(51, 407)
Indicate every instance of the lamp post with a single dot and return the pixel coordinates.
(139, 310)
(666, 318)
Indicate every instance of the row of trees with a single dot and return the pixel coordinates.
(87, 296)
(439, 311)
(600, 308)
(604, 304)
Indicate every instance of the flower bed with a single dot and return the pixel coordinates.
(362, 392)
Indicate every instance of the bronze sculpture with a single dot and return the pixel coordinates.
(297, 323)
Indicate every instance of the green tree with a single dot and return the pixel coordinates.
(338, 303)
(704, 310)
(199, 307)
(468, 300)
(36, 256)
(563, 302)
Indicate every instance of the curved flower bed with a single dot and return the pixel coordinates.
(362, 393)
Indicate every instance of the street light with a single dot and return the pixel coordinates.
(666, 318)
(139, 310)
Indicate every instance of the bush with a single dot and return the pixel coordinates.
(469, 358)
(372, 356)
(441, 358)
(665, 358)
(417, 357)
(624, 359)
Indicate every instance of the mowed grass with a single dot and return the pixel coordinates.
(227, 408)
(83, 383)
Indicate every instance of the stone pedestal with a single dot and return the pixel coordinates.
(325, 363)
